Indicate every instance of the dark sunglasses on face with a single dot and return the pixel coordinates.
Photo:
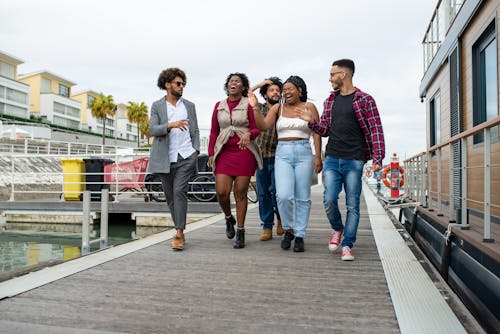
(179, 83)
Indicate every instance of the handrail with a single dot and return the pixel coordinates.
(425, 169)
(475, 130)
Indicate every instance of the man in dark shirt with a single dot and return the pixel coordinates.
(352, 123)
(270, 89)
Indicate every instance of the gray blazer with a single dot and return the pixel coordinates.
(159, 161)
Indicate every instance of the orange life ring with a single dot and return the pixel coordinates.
(387, 183)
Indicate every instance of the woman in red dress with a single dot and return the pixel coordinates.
(233, 154)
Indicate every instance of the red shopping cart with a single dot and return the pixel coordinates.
(128, 176)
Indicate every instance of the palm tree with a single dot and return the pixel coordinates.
(137, 113)
(101, 107)
(144, 127)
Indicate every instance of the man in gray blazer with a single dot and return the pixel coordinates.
(176, 146)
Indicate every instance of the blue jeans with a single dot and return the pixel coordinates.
(338, 172)
(294, 163)
(266, 189)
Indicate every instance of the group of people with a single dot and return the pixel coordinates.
(250, 138)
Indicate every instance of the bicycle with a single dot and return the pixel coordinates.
(203, 189)
(252, 192)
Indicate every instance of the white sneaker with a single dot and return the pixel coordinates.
(347, 254)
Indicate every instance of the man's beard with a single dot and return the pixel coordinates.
(272, 101)
(176, 94)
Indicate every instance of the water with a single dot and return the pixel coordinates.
(23, 249)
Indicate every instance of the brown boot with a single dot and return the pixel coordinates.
(279, 228)
(266, 235)
(178, 241)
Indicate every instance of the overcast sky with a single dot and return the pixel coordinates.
(120, 47)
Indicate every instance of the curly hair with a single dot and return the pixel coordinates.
(276, 81)
(169, 75)
(244, 80)
(299, 83)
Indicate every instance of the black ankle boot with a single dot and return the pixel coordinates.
(230, 222)
(299, 245)
(287, 239)
(240, 238)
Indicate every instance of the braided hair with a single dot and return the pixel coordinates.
(300, 84)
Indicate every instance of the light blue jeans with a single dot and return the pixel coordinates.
(293, 166)
(338, 172)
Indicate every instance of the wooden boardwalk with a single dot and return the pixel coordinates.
(212, 288)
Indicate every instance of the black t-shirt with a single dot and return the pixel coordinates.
(346, 139)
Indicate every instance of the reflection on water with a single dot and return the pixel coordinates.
(22, 249)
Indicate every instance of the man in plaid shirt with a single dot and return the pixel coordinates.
(352, 123)
(270, 89)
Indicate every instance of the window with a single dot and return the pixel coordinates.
(63, 90)
(485, 83)
(7, 70)
(46, 85)
(435, 119)
(17, 96)
(89, 100)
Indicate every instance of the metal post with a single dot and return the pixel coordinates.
(12, 178)
(116, 178)
(423, 180)
(69, 148)
(464, 224)
(439, 171)
(48, 147)
(451, 204)
(104, 218)
(428, 201)
(86, 223)
(26, 146)
(487, 185)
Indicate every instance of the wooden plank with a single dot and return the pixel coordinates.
(212, 288)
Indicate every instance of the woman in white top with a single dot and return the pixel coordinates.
(294, 161)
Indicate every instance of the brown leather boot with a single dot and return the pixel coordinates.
(266, 235)
(279, 228)
(178, 242)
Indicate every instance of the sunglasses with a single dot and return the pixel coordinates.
(179, 83)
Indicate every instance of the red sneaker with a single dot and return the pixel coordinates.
(334, 242)
(347, 254)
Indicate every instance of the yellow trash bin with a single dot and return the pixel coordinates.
(74, 178)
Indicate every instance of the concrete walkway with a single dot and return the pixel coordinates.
(144, 287)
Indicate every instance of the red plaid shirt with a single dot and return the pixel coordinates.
(368, 119)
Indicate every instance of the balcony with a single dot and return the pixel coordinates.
(441, 21)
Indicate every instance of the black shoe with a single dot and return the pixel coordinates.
(230, 222)
(299, 245)
(240, 238)
(287, 240)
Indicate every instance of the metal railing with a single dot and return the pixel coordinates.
(27, 177)
(425, 183)
(37, 146)
(442, 19)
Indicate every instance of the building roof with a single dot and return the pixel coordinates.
(10, 58)
(48, 74)
(88, 92)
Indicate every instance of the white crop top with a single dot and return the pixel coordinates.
(292, 127)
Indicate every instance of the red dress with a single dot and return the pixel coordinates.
(232, 160)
